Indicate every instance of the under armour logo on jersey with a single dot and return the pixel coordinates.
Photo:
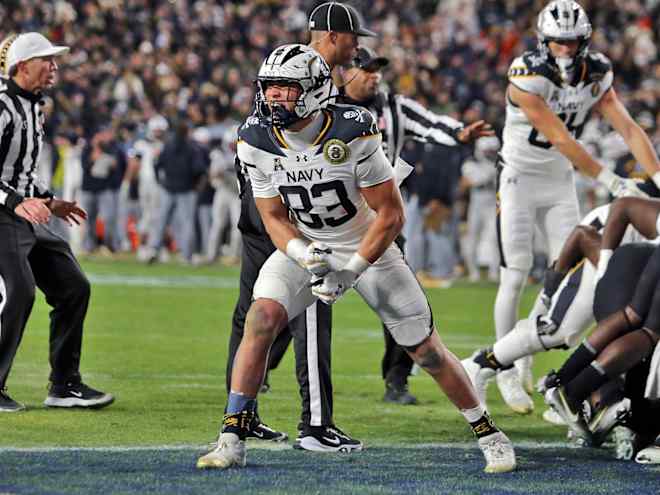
(302, 158)
(512, 180)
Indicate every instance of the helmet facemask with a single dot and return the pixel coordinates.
(297, 65)
(276, 113)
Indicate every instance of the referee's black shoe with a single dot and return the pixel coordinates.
(261, 431)
(77, 394)
(7, 404)
(325, 439)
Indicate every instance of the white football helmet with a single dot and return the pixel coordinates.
(564, 20)
(297, 64)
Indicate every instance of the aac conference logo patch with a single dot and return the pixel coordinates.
(336, 151)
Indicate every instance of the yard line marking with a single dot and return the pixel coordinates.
(279, 446)
(185, 281)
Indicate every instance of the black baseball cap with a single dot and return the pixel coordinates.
(339, 17)
(367, 59)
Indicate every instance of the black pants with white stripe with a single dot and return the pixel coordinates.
(310, 332)
(33, 256)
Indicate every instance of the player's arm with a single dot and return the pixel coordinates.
(545, 121)
(276, 219)
(616, 114)
(386, 201)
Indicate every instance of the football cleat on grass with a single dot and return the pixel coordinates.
(9, 405)
(325, 439)
(551, 416)
(77, 394)
(649, 455)
(398, 394)
(513, 393)
(605, 419)
(229, 452)
(555, 398)
(499, 453)
(480, 377)
(261, 431)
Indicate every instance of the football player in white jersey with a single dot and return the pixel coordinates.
(551, 92)
(325, 191)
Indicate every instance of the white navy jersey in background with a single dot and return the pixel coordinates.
(524, 148)
(320, 185)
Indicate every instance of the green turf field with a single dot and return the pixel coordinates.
(156, 337)
(162, 352)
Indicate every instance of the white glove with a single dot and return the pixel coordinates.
(620, 187)
(313, 257)
(331, 287)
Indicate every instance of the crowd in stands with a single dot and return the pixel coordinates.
(172, 73)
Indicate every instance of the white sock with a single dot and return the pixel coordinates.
(473, 415)
(512, 282)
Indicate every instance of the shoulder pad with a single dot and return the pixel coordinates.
(598, 65)
(350, 122)
(257, 135)
(538, 65)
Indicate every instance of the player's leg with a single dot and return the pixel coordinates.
(67, 290)
(280, 292)
(611, 296)
(256, 250)
(515, 227)
(619, 323)
(407, 314)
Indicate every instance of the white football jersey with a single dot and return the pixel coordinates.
(320, 185)
(147, 151)
(524, 148)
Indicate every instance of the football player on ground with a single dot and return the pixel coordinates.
(325, 191)
(626, 337)
(568, 294)
(552, 90)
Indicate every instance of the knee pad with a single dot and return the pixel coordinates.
(549, 335)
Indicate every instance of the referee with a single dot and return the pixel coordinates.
(30, 254)
(400, 118)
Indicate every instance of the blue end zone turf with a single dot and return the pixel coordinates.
(377, 470)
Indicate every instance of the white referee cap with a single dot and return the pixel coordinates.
(31, 45)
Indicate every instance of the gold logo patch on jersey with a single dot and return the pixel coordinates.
(595, 89)
(336, 151)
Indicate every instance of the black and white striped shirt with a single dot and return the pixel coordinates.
(400, 118)
(21, 140)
